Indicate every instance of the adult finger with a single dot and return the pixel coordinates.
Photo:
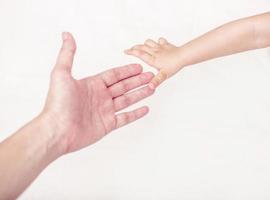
(125, 118)
(117, 74)
(131, 98)
(126, 85)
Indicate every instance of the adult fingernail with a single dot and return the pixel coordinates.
(64, 35)
(152, 86)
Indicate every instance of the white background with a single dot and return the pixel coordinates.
(207, 135)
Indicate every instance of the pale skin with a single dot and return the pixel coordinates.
(77, 114)
(234, 37)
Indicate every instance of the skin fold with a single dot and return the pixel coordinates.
(234, 37)
(77, 114)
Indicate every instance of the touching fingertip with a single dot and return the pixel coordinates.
(150, 74)
(152, 86)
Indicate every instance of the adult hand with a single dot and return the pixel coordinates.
(83, 111)
(77, 113)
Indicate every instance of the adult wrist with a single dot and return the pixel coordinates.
(52, 137)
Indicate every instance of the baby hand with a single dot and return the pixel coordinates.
(163, 56)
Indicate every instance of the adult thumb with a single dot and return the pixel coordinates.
(67, 52)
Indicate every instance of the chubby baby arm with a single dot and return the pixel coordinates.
(234, 37)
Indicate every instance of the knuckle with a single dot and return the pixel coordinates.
(55, 72)
(115, 74)
(132, 116)
(127, 117)
(68, 48)
(70, 51)
(59, 73)
(126, 100)
(147, 41)
(141, 78)
(123, 86)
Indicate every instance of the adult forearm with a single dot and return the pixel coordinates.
(24, 155)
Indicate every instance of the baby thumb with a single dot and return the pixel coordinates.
(161, 76)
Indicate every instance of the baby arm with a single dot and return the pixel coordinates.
(234, 37)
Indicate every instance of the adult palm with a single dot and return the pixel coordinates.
(87, 109)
